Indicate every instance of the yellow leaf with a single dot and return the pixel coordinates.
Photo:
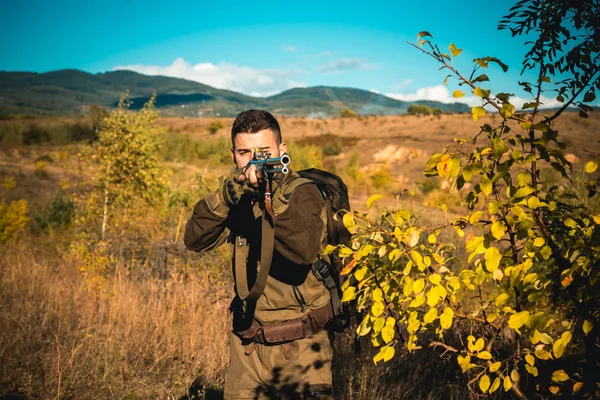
(590, 167)
(328, 249)
(507, 384)
(387, 333)
(386, 353)
(359, 274)
(529, 359)
(501, 299)
(543, 354)
(484, 355)
(479, 344)
(587, 327)
(514, 375)
(377, 309)
(446, 318)
(559, 376)
(373, 199)
(454, 50)
(477, 112)
(495, 385)
(596, 219)
(419, 285)
(492, 259)
(377, 295)
(559, 346)
(498, 229)
(539, 241)
(495, 366)
(350, 266)
(431, 239)
(518, 320)
(435, 279)
(531, 369)
(349, 294)
(432, 297)
(430, 316)
(349, 222)
(485, 184)
(554, 389)
(457, 94)
(484, 383)
(577, 387)
(417, 301)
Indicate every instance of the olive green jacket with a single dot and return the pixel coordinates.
(299, 237)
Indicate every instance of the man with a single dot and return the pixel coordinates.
(279, 347)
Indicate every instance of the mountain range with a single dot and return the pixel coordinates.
(71, 92)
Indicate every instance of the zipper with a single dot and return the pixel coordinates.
(300, 298)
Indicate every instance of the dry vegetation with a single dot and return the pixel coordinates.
(138, 334)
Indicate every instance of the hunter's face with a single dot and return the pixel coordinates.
(245, 143)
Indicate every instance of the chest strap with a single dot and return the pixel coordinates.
(281, 332)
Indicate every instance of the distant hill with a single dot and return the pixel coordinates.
(71, 92)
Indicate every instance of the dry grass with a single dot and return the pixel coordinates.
(135, 337)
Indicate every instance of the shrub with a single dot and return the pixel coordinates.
(333, 149)
(382, 179)
(415, 109)
(214, 127)
(309, 156)
(40, 169)
(13, 219)
(58, 213)
(348, 113)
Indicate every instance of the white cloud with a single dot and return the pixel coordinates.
(442, 94)
(403, 84)
(375, 91)
(290, 48)
(247, 80)
(347, 64)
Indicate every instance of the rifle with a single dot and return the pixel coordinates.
(267, 165)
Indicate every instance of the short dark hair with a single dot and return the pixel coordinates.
(253, 121)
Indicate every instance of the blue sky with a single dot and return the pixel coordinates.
(262, 48)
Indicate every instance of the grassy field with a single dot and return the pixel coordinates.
(155, 327)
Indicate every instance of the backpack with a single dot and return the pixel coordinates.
(337, 203)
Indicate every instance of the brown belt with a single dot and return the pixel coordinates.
(287, 331)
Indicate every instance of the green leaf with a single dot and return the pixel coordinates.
(455, 51)
(517, 320)
(479, 92)
(481, 78)
(373, 199)
(560, 376)
(477, 112)
(457, 94)
(498, 147)
(492, 259)
(590, 167)
(546, 252)
(524, 178)
(507, 110)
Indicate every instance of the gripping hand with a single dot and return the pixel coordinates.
(232, 188)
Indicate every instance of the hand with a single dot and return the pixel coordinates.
(233, 187)
(251, 176)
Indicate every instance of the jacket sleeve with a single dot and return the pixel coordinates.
(298, 229)
(206, 229)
